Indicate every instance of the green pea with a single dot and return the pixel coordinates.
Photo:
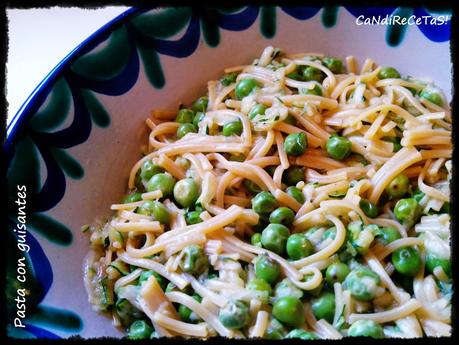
(366, 328)
(228, 79)
(259, 285)
(149, 169)
(295, 76)
(290, 120)
(398, 187)
(146, 208)
(301, 334)
(159, 278)
(198, 118)
(289, 310)
(387, 235)
(194, 260)
(163, 182)
(264, 203)
(182, 163)
(244, 87)
(363, 283)
(295, 144)
(405, 210)
(313, 74)
(256, 240)
(338, 147)
(407, 261)
(286, 288)
(252, 186)
(323, 306)
(298, 247)
(132, 197)
(200, 104)
(161, 213)
(267, 269)
(432, 95)
(274, 238)
(186, 314)
(316, 90)
(370, 209)
(282, 215)
(293, 175)
(336, 273)
(186, 192)
(185, 116)
(234, 315)
(433, 260)
(193, 217)
(186, 128)
(257, 109)
(139, 329)
(333, 64)
(388, 73)
(232, 128)
(296, 194)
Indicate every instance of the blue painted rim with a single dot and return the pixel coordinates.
(45, 85)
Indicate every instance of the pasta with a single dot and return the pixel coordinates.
(298, 198)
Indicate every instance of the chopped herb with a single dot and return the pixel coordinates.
(277, 97)
(228, 79)
(361, 159)
(341, 321)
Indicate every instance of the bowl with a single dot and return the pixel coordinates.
(71, 146)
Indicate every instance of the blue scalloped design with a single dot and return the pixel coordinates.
(435, 33)
(144, 44)
(301, 13)
(238, 21)
(39, 332)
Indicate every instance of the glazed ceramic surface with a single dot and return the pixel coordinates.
(74, 141)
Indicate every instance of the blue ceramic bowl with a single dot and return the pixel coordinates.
(73, 142)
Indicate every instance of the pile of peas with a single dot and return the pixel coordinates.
(273, 230)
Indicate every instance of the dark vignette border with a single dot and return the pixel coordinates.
(93, 4)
